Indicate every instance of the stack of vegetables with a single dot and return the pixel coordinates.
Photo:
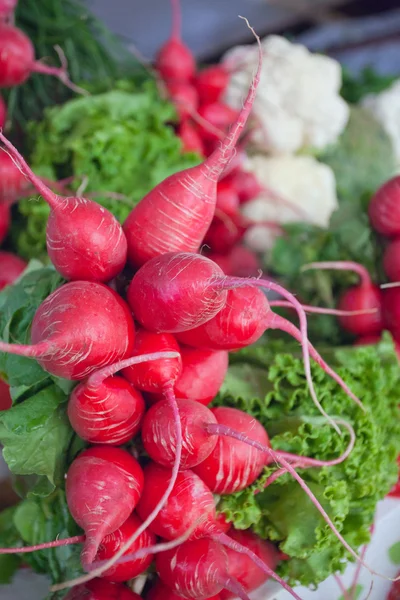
(122, 467)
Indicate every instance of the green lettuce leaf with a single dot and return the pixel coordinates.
(121, 141)
(273, 388)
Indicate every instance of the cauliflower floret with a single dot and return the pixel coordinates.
(298, 103)
(386, 109)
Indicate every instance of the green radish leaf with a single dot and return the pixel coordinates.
(394, 553)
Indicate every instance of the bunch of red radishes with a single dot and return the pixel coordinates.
(168, 337)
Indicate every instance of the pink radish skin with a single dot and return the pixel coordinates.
(246, 185)
(384, 208)
(7, 7)
(190, 500)
(211, 83)
(391, 311)
(154, 376)
(103, 487)
(159, 591)
(3, 108)
(227, 197)
(11, 267)
(391, 259)
(180, 301)
(242, 568)
(175, 62)
(99, 589)
(5, 396)
(84, 240)
(196, 569)
(203, 372)
(17, 59)
(106, 409)
(159, 439)
(185, 98)
(366, 295)
(177, 213)
(219, 115)
(4, 221)
(240, 262)
(230, 467)
(81, 327)
(190, 138)
(113, 542)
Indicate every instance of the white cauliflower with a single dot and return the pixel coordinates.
(386, 109)
(302, 189)
(298, 103)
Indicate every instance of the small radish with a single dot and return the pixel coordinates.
(174, 60)
(103, 487)
(84, 240)
(384, 208)
(5, 396)
(190, 138)
(3, 109)
(227, 197)
(391, 311)
(177, 213)
(366, 295)
(211, 83)
(11, 267)
(106, 409)
(367, 340)
(159, 439)
(203, 372)
(242, 568)
(111, 544)
(230, 467)
(189, 501)
(7, 7)
(219, 115)
(17, 60)
(159, 591)
(4, 220)
(81, 327)
(225, 232)
(99, 589)
(185, 98)
(240, 262)
(391, 259)
(394, 592)
(187, 290)
(246, 185)
(395, 491)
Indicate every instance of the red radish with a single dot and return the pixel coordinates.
(394, 593)
(154, 376)
(384, 208)
(219, 115)
(3, 108)
(391, 311)
(203, 372)
(103, 487)
(227, 197)
(176, 214)
(106, 409)
(11, 267)
(182, 297)
(174, 60)
(190, 500)
(181, 287)
(81, 327)
(84, 240)
(211, 83)
(395, 491)
(366, 340)
(159, 591)
(17, 60)
(159, 439)
(4, 220)
(112, 543)
(391, 259)
(366, 295)
(7, 7)
(5, 396)
(197, 569)
(191, 139)
(230, 467)
(185, 98)
(240, 262)
(246, 185)
(225, 232)
(242, 568)
(99, 589)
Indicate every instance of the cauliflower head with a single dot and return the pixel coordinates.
(386, 109)
(298, 104)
